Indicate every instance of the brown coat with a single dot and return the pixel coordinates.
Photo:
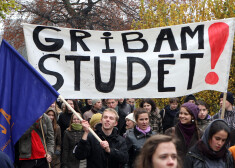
(71, 138)
(56, 156)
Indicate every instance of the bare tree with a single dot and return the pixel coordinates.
(86, 14)
(89, 14)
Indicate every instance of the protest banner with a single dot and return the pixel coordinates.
(151, 63)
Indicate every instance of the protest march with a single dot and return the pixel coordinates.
(85, 98)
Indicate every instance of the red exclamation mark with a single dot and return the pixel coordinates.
(218, 36)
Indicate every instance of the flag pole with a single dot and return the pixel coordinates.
(80, 118)
(223, 105)
(44, 141)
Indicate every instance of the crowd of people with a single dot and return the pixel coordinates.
(177, 136)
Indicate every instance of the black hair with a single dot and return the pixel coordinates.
(149, 101)
(218, 126)
(190, 97)
(200, 102)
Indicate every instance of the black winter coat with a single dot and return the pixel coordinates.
(194, 159)
(96, 156)
(64, 121)
(168, 117)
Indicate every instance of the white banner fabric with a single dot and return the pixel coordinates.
(151, 63)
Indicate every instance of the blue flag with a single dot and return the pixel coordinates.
(24, 96)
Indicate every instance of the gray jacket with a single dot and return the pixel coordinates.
(25, 140)
(135, 141)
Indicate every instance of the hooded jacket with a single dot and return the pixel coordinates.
(96, 156)
(229, 118)
(195, 158)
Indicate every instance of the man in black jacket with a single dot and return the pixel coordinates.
(111, 152)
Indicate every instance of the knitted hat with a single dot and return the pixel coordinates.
(130, 117)
(190, 97)
(95, 119)
(229, 98)
(94, 101)
(192, 109)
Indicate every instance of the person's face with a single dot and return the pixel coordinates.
(165, 156)
(143, 121)
(184, 116)
(147, 107)
(173, 105)
(112, 103)
(129, 124)
(108, 120)
(70, 102)
(51, 115)
(121, 100)
(227, 104)
(191, 101)
(76, 120)
(218, 140)
(131, 102)
(202, 112)
(98, 105)
(89, 102)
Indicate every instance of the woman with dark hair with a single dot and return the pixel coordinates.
(186, 130)
(136, 137)
(211, 151)
(159, 151)
(72, 136)
(55, 163)
(155, 118)
(203, 117)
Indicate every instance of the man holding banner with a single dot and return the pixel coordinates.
(111, 151)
